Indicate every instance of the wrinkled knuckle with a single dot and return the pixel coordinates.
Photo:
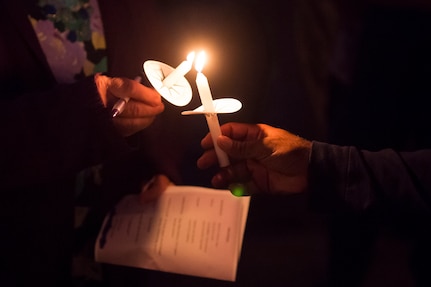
(134, 110)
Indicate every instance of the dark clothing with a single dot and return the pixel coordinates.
(69, 127)
(346, 179)
(380, 206)
(378, 100)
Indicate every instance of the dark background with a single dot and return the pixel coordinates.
(354, 73)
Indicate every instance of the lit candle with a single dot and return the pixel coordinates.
(210, 114)
(182, 69)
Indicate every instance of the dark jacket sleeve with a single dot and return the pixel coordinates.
(49, 135)
(344, 178)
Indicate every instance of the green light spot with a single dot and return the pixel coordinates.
(238, 189)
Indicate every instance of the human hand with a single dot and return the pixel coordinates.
(144, 105)
(264, 158)
(154, 188)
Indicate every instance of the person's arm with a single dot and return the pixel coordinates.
(337, 178)
(349, 179)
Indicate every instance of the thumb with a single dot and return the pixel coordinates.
(154, 188)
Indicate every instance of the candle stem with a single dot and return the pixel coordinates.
(214, 127)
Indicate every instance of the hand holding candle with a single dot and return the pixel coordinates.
(210, 114)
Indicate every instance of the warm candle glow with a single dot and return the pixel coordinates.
(200, 61)
(191, 57)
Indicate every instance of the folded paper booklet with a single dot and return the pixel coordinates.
(188, 230)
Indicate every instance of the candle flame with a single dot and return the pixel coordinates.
(200, 61)
(191, 56)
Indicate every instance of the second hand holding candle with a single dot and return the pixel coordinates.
(210, 114)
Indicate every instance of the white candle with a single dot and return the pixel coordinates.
(210, 115)
(182, 69)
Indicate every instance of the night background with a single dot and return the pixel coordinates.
(353, 73)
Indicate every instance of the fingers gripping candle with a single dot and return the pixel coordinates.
(210, 114)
